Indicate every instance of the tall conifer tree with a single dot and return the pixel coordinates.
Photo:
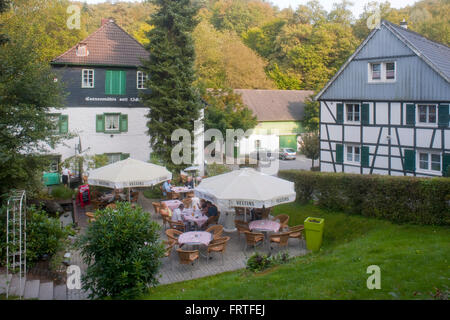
(173, 100)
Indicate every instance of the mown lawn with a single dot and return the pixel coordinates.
(414, 262)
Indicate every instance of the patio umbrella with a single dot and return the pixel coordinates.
(246, 188)
(129, 173)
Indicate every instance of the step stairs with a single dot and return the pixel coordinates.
(32, 289)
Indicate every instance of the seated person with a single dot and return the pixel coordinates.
(165, 209)
(212, 210)
(166, 187)
(189, 183)
(177, 216)
(203, 206)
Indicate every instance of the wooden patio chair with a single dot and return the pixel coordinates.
(112, 206)
(218, 246)
(241, 227)
(169, 244)
(282, 239)
(90, 215)
(173, 235)
(134, 197)
(284, 219)
(253, 239)
(177, 225)
(296, 232)
(216, 230)
(188, 257)
(173, 195)
(212, 220)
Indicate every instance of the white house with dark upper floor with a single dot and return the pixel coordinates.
(386, 111)
(102, 79)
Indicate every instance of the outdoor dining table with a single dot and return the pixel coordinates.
(194, 216)
(265, 226)
(195, 238)
(172, 204)
(182, 190)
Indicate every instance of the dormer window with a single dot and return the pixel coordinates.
(380, 72)
(82, 50)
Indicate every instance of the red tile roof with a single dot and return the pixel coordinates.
(275, 105)
(110, 45)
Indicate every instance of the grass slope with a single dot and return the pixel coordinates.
(414, 261)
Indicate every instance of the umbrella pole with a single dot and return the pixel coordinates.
(245, 214)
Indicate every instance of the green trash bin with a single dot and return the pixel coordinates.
(314, 233)
(51, 178)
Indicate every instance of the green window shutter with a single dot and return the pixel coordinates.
(365, 113)
(63, 123)
(340, 113)
(115, 82)
(124, 156)
(410, 160)
(339, 153)
(365, 156)
(123, 123)
(100, 123)
(446, 164)
(122, 82)
(443, 115)
(410, 114)
(109, 82)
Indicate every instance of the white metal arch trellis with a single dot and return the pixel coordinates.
(16, 238)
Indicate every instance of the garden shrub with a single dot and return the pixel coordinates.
(394, 198)
(44, 235)
(62, 193)
(122, 251)
(259, 261)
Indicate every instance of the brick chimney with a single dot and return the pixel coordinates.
(404, 24)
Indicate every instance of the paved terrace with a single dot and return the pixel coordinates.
(171, 270)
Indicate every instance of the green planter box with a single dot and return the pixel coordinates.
(314, 233)
(51, 178)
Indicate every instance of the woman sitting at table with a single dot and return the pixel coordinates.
(165, 209)
(203, 206)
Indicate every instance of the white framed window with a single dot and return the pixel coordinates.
(353, 154)
(87, 78)
(380, 72)
(112, 122)
(141, 78)
(429, 161)
(427, 113)
(353, 112)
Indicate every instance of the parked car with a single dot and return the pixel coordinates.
(287, 154)
(263, 155)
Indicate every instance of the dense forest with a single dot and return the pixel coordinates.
(239, 43)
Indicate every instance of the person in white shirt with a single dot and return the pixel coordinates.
(65, 176)
(177, 215)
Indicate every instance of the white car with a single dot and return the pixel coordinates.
(287, 154)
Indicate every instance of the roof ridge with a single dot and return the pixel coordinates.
(439, 44)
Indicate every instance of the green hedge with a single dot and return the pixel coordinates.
(398, 199)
